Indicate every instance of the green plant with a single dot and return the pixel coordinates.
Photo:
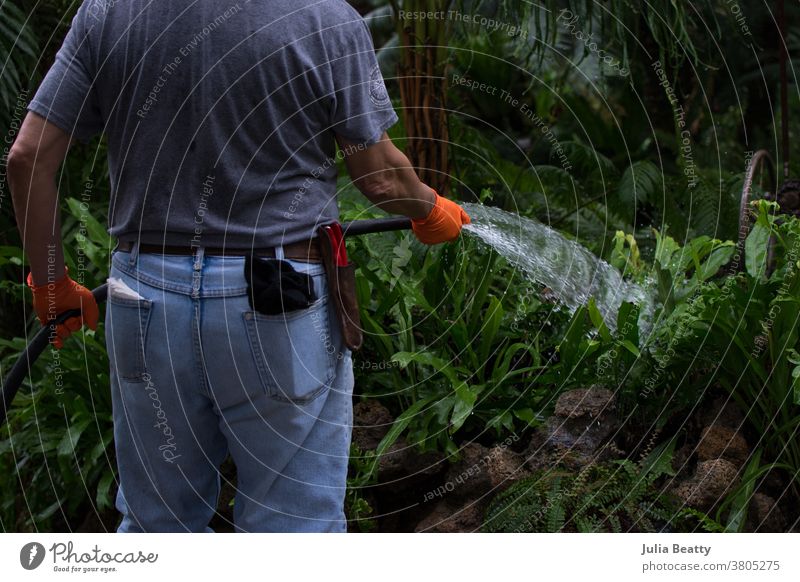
(748, 327)
(479, 357)
(472, 370)
(56, 463)
(19, 51)
(56, 459)
(616, 496)
(588, 352)
(361, 475)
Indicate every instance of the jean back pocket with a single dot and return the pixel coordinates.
(293, 352)
(126, 332)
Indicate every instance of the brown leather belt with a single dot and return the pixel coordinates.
(304, 250)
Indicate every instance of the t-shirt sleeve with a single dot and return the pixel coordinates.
(67, 96)
(361, 108)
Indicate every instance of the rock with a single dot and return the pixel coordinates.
(717, 474)
(580, 437)
(470, 470)
(583, 422)
(764, 515)
(371, 421)
(687, 493)
(788, 196)
(723, 411)
(470, 484)
(481, 470)
(449, 517)
(585, 402)
(711, 482)
(722, 442)
(579, 432)
(402, 464)
(681, 458)
(774, 483)
(503, 467)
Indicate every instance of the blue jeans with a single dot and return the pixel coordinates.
(196, 375)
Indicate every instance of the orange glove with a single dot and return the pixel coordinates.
(442, 224)
(51, 300)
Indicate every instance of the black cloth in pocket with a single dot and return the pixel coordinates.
(274, 286)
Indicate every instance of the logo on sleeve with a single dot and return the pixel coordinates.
(377, 88)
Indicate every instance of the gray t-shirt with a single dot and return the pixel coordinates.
(220, 115)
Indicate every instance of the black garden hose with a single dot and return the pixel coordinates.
(32, 352)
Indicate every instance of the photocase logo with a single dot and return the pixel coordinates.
(31, 555)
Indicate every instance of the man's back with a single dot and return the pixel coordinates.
(220, 117)
(221, 123)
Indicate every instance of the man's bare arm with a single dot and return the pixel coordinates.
(33, 164)
(386, 177)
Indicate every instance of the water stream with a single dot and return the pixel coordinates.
(547, 257)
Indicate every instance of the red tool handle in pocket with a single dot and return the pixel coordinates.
(336, 236)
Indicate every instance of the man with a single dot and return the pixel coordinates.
(221, 121)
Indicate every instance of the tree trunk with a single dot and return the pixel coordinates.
(423, 92)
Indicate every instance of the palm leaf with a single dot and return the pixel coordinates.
(19, 51)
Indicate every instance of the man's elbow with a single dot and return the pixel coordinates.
(22, 169)
(21, 161)
(378, 188)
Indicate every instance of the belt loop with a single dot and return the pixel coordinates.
(134, 253)
(199, 253)
(279, 252)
